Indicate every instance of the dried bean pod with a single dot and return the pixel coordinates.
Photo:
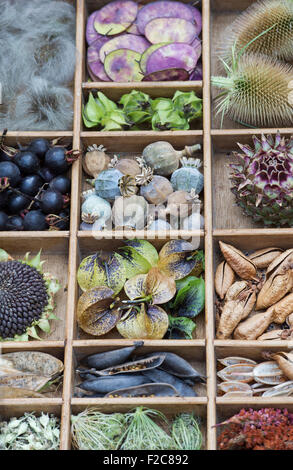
(178, 366)
(242, 265)
(234, 386)
(107, 359)
(161, 376)
(36, 362)
(135, 366)
(109, 383)
(157, 389)
(224, 279)
(268, 373)
(229, 361)
(237, 373)
(263, 258)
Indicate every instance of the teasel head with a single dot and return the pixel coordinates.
(256, 91)
(26, 298)
(273, 15)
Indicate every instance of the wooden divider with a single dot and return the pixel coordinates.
(222, 222)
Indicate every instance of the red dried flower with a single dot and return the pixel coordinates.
(264, 429)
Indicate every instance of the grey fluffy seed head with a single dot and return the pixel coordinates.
(50, 56)
(257, 92)
(260, 17)
(42, 107)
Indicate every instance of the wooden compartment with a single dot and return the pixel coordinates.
(223, 13)
(195, 355)
(165, 406)
(133, 147)
(226, 214)
(89, 244)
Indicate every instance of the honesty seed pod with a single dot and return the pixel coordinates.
(224, 279)
(240, 300)
(279, 281)
(263, 258)
(242, 266)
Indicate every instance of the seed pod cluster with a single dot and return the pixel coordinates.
(245, 377)
(248, 304)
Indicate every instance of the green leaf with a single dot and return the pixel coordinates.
(134, 262)
(190, 298)
(86, 121)
(4, 256)
(93, 111)
(44, 325)
(162, 104)
(188, 104)
(108, 104)
(180, 328)
(145, 249)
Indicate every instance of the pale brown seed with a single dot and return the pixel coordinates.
(224, 279)
(254, 326)
(242, 266)
(263, 258)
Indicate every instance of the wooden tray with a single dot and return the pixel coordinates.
(223, 221)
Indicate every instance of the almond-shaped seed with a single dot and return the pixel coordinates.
(242, 266)
(237, 373)
(271, 335)
(230, 361)
(254, 326)
(224, 279)
(284, 389)
(274, 289)
(236, 289)
(248, 305)
(289, 320)
(263, 258)
(233, 387)
(268, 373)
(283, 258)
(283, 309)
(246, 393)
(231, 316)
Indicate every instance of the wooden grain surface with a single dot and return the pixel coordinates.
(223, 221)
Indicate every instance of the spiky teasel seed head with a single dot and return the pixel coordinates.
(256, 91)
(26, 298)
(261, 16)
(263, 180)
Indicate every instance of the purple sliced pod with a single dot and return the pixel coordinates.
(97, 72)
(197, 18)
(167, 75)
(115, 17)
(170, 30)
(125, 41)
(163, 9)
(122, 65)
(91, 33)
(196, 74)
(94, 65)
(176, 55)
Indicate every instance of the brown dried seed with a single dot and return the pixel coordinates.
(254, 326)
(271, 335)
(231, 316)
(285, 363)
(224, 279)
(283, 309)
(284, 259)
(263, 258)
(242, 265)
(274, 289)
